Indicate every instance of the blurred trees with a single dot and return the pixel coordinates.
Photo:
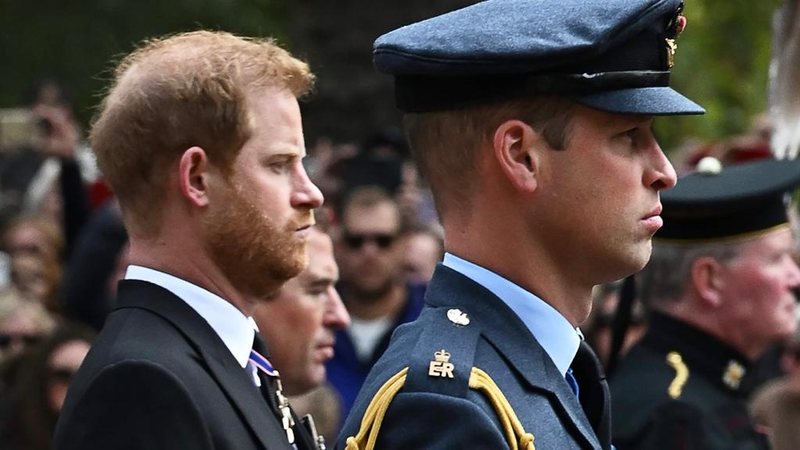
(721, 61)
(78, 41)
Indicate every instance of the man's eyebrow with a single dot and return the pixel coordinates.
(321, 281)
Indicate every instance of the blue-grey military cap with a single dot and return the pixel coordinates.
(611, 55)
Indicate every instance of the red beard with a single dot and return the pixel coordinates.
(256, 254)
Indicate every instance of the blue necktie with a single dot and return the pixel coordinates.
(573, 383)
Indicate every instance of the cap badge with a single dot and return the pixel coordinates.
(457, 317)
(675, 29)
(733, 374)
(441, 366)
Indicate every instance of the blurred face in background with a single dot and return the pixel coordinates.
(61, 366)
(757, 287)
(421, 253)
(299, 323)
(369, 253)
(21, 326)
(34, 246)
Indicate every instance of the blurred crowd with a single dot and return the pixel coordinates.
(64, 249)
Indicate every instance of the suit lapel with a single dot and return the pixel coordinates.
(224, 368)
(512, 338)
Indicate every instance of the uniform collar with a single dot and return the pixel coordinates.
(234, 328)
(704, 355)
(559, 339)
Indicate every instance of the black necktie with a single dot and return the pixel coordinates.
(272, 391)
(271, 388)
(594, 395)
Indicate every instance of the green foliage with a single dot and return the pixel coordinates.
(77, 42)
(721, 63)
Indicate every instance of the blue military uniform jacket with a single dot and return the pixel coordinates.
(468, 374)
(682, 389)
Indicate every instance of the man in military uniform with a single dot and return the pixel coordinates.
(720, 288)
(532, 123)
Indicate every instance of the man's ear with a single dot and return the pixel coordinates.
(514, 145)
(193, 176)
(707, 280)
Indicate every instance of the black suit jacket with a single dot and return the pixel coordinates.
(159, 377)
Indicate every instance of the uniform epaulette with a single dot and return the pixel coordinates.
(444, 354)
(442, 363)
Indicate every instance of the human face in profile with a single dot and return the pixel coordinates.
(598, 198)
(757, 290)
(299, 323)
(259, 221)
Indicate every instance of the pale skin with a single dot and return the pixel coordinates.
(68, 356)
(300, 322)
(579, 217)
(746, 302)
(269, 166)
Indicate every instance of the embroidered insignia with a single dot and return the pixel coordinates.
(441, 365)
(675, 27)
(457, 317)
(733, 374)
(675, 361)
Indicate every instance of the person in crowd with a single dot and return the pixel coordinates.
(23, 322)
(373, 287)
(775, 407)
(87, 293)
(35, 246)
(531, 121)
(200, 138)
(300, 321)
(598, 330)
(720, 289)
(40, 387)
(299, 324)
(423, 249)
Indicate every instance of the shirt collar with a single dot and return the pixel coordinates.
(234, 328)
(559, 339)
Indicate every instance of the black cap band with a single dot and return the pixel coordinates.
(416, 93)
(696, 224)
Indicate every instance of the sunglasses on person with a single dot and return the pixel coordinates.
(6, 339)
(358, 240)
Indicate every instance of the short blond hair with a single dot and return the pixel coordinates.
(444, 144)
(180, 91)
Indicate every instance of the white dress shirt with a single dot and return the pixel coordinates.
(234, 328)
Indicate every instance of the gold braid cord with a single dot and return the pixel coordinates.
(675, 388)
(479, 380)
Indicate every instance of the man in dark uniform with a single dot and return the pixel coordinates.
(531, 120)
(200, 137)
(720, 288)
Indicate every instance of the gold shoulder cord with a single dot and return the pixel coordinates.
(675, 361)
(479, 380)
